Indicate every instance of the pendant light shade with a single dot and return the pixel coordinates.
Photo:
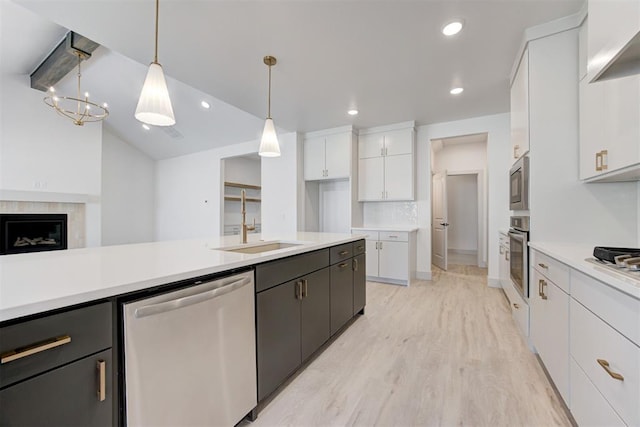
(154, 106)
(269, 146)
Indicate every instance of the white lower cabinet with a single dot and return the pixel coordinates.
(390, 255)
(519, 307)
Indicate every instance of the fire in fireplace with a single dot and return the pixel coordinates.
(20, 233)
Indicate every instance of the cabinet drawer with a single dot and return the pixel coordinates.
(274, 273)
(504, 240)
(588, 407)
(394, 236)
(359, 247)
(341, 252)
(367, 234)
(555, 271)
(519, 308)
(591, 340)
(617, 309)
(66, 396)
(61, 337)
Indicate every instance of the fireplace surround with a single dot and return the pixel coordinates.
(20, 233)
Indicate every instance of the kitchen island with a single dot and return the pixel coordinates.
(63, 330)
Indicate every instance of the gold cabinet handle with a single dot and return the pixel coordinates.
(506, 255)
(599, 161)
(343, 265)
(355, 264)
(543, 265)
(305, 288)
(515, 151)
(541, 285)
(360, 248)
(101, 366)
(516, 306)
(299, 289)
(343, 253)
(21, 352)
(605, 366)
(604, 160)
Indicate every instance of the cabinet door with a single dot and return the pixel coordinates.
(371, 145)
(278, 336)
(394, 260)
(504, 265)
(622, 115)
(398, 142)
(398, 173)
(520, 109)
(372, 258)
(359, 283)
(592, 126)
(371, 179)
(338, 155)
(341, 294)
(549, 329)
(64, 396)
(314, 160)
(315, 311)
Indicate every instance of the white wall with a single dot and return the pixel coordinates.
(462, 200)
(40, 151)
(498, 163)
(189, 188)
(243, 170)
(128, 193)
(564, 209)
(461, 157)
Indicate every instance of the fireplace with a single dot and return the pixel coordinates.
(20, 233)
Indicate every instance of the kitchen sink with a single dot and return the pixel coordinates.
(260, 248)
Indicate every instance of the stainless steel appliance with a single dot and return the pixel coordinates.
(621, 261)
(519, 185)
(190, 355)
(519, 252)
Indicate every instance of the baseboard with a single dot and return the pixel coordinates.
(423, 275)
(464, 251)
(494, 283)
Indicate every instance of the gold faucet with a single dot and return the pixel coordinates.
(244, 225)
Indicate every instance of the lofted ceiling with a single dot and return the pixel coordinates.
(387, 58)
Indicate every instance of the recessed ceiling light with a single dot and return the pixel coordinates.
(145, 126)
(352, 112)
(452, 28)
(205, 104)
(456, 91)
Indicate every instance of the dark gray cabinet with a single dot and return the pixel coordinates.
(57, 369)
(341, 294)
(315, 311)
(359, 283)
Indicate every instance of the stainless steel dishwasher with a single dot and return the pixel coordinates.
(190, 355)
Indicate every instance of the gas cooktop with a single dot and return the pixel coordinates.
(624, 261)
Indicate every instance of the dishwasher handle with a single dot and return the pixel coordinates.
(175, 304)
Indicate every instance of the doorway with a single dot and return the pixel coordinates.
(459, 201)
(241, 173)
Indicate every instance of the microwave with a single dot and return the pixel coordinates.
(519, 185)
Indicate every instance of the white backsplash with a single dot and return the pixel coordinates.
(75, 216)
(383, 214)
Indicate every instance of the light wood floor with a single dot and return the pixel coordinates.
(444, 352)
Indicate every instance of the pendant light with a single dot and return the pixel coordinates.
(154, 106)
(269, 146)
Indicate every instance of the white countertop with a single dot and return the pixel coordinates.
(574, 256)
(37, 282)
(405, 229)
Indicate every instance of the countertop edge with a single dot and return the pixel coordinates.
(561, 252)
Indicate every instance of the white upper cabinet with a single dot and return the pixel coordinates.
(613, 38)
(386, 163)
(327, 156)
(609, 126)
(520, 109)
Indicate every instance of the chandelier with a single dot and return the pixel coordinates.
(79, 109)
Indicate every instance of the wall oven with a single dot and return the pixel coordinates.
(519, 251)
(519, 185)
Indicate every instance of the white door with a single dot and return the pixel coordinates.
(398, 177)
(394, 260)
(398, 142)
(338, 155)
(371, 178)
(314, 161)
(370, 145)
(372, 258)
(439, 222)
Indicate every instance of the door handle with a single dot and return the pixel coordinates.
(38, 347)
(605, 366)
(299, 290)
(541, 285)
(444, 224)
(101, 367)
(305, 288)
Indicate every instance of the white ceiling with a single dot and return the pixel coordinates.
(386, 58)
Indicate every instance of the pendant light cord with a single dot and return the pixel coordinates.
(79, 74)
(155, 57)
(269, 97)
